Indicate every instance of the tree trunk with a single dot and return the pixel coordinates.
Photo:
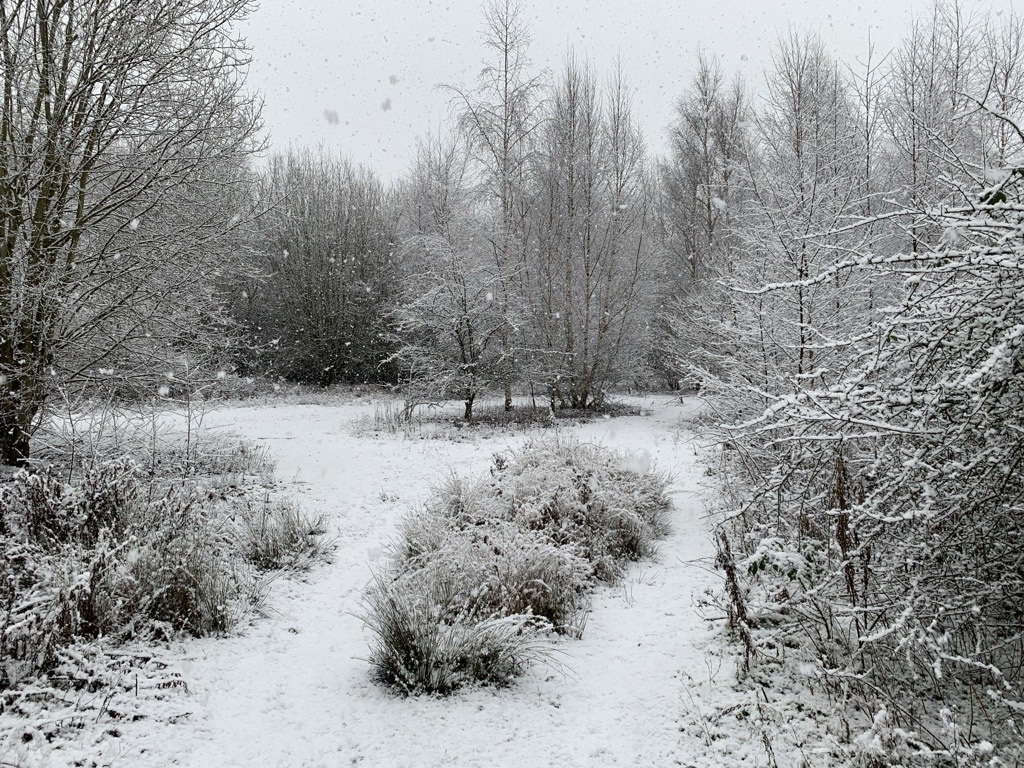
(14, 442)
(468, 413)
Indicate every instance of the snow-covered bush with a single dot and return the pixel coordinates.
(282, 535)
(607, 507)
(879, 519)
(96, 559)
(495, 568)
(488, 567)
(118, 556)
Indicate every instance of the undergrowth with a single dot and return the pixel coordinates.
(488, 569)
(102, 562)
(438, 420)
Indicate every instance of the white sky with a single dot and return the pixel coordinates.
(360, 76)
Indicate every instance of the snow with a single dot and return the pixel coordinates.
(294, 689)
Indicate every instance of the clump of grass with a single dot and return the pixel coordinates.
(607, 506)
(278, 536)
(424, 648)
(522, 547)
(498, 569)
(120, 555)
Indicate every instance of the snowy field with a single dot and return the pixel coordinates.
(294, 688)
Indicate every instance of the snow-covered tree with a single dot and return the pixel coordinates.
(702, 184)
(804, 181)
(116, 114)
(326, 257)
(591, 266)
(878, 499)
(448, 323)
(499, 119)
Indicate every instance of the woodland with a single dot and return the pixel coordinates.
(830, 259)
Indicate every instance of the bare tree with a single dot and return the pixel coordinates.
(112, 110)
(448, 322)
(804, 174)
(499, 120)
(931, 73)
(702, 186)
(591, 267)
(701, 179)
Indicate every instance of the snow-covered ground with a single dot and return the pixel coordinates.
(294, 688)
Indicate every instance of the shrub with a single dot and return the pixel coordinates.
(53, 513)
(584, 496)
(518, 550)
(498, 570)
(184, 575)
(277, 536)
(112, 558)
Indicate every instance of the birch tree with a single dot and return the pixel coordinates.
(592, 268)
(499, 119)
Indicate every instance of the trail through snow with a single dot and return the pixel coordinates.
(294, 689)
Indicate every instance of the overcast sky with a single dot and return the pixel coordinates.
(360, 77)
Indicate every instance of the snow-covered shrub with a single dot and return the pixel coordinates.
(182, 572)
(277, 536)
(53, 513)
(497, 569)
(422, 648)
(878, 520)
(119, 556)
(488, 566)
(607, 507)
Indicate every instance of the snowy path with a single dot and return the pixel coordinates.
(294, 689)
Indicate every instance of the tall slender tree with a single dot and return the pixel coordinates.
(591, 265)
(499, 119)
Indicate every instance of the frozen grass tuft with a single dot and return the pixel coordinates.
(281, 536)
(518, 550)
(427, 645)
(609, 507)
